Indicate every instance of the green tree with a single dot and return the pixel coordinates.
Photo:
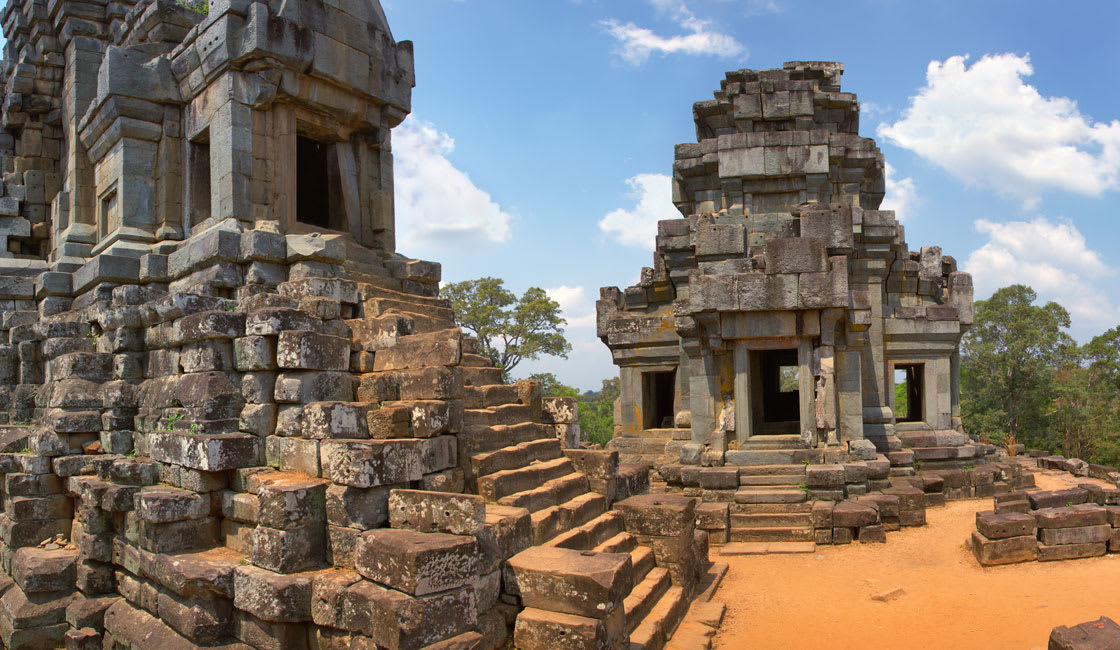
(509, 329)
(1008, 364)
(551, 386)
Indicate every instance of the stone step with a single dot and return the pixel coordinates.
(506, 414)
(385, 300)
(516, 456)
(772, 508)
(771, 479)
(668, 434)
(770, 495)
(644, 596)
(473, 376)
(643, 560)
(771, 520)
(620, 543)
(493, 487)
(480, 397)
(944, 453)
(791, 441)
(479, 439)
(552, 493)
(930, 438)
(662, 620)
(471, 360)
(761, 470)
(777, 534)
(555, 521)
(770, 456)
(587, 536)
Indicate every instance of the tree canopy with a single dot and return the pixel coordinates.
(510, 329)
(1008, 360)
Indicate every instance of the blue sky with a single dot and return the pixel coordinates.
(542, 135)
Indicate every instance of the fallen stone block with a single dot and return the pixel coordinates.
(1002, 526)
(1070, 551)
(1075, 535)
(1008, 550)
(1071, 516)
(1095, 635)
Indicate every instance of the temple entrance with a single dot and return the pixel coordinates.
(775, 394)
(908, 392)
(659, 390)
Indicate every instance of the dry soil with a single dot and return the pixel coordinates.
(824, 599)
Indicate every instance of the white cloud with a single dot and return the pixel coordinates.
(574, 305)
(901, 194)
(1052, 258)
(437, 203)
(638, 226)
(987, 127)
(636, 44)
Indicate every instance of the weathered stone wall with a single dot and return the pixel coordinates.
(230, 422)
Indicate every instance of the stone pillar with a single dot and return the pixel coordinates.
(806, 389)
(955, 389)
(744, 418)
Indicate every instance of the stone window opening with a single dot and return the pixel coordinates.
(908, 405)
(107, 213)
(659, 391)
(319, 200)
(199, 169)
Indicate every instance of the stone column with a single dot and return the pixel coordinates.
(744, 418)
(806, 390)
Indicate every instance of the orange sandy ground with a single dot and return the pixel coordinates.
(823, 599)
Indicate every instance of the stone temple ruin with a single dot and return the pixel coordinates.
(234, 416)
(758, 356)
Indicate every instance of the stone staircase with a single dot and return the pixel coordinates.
(515, 464)
(770, 504)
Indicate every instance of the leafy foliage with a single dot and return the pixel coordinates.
(509, 329)
(1008, 363)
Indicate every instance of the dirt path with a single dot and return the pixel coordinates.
(823, 600)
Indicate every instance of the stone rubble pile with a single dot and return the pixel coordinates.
(1078, 522)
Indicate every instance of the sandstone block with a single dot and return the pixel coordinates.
(417, 563)
(309, 350)
(573, 582)
(272, 596)
(1009, 550)
(431, 512)
(658, 514)
(1075, 535)
(1071, 516)
(539, 629)
(1002, 526)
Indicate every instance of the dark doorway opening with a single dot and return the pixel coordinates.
(659, 390)
(781, 396)
(318, 185)
(908, 392)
